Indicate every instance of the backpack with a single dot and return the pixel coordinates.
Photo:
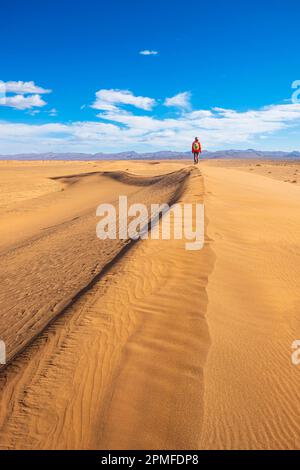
(196, 146)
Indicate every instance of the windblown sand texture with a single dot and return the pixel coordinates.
(120, 345)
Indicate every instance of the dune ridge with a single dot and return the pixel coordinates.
(123, 367)
(42, 276)
(164, 348)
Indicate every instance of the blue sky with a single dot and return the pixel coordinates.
(92, 76)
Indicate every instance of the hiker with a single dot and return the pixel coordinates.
(196, 149)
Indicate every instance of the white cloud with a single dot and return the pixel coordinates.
(107, 100)
(120, 130)
(22, 95)
(33, 112)
(24, 88)
(148, 52)
(53, 112)
(182, 100)
(22, 102)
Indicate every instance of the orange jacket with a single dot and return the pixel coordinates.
(193, 147)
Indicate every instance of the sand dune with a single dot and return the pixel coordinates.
(251, 386)
(166, 349)
(42, 276)
(128, 350)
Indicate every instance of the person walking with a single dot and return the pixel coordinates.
(196, 150)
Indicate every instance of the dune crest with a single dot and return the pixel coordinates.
(43, 275)
(139, 331)
(164, 348)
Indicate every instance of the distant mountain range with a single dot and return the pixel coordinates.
(163, 155)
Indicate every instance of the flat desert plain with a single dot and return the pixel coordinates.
(115, 344)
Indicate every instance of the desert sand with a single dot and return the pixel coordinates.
(122, 345)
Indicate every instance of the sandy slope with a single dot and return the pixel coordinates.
(42, 275)
(139, 332)
(126, 365)
(38, 195)
(161, 368)
(251, 387)
(287, 171)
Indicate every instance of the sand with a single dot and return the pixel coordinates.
(251, 387)
(147, 345)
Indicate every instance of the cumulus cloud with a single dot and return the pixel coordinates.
(118, 129)
(22, 95)
(24, 88)
(107, 100)
(22, 102)
(217, 127)
(181, 100)
(148, 52)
